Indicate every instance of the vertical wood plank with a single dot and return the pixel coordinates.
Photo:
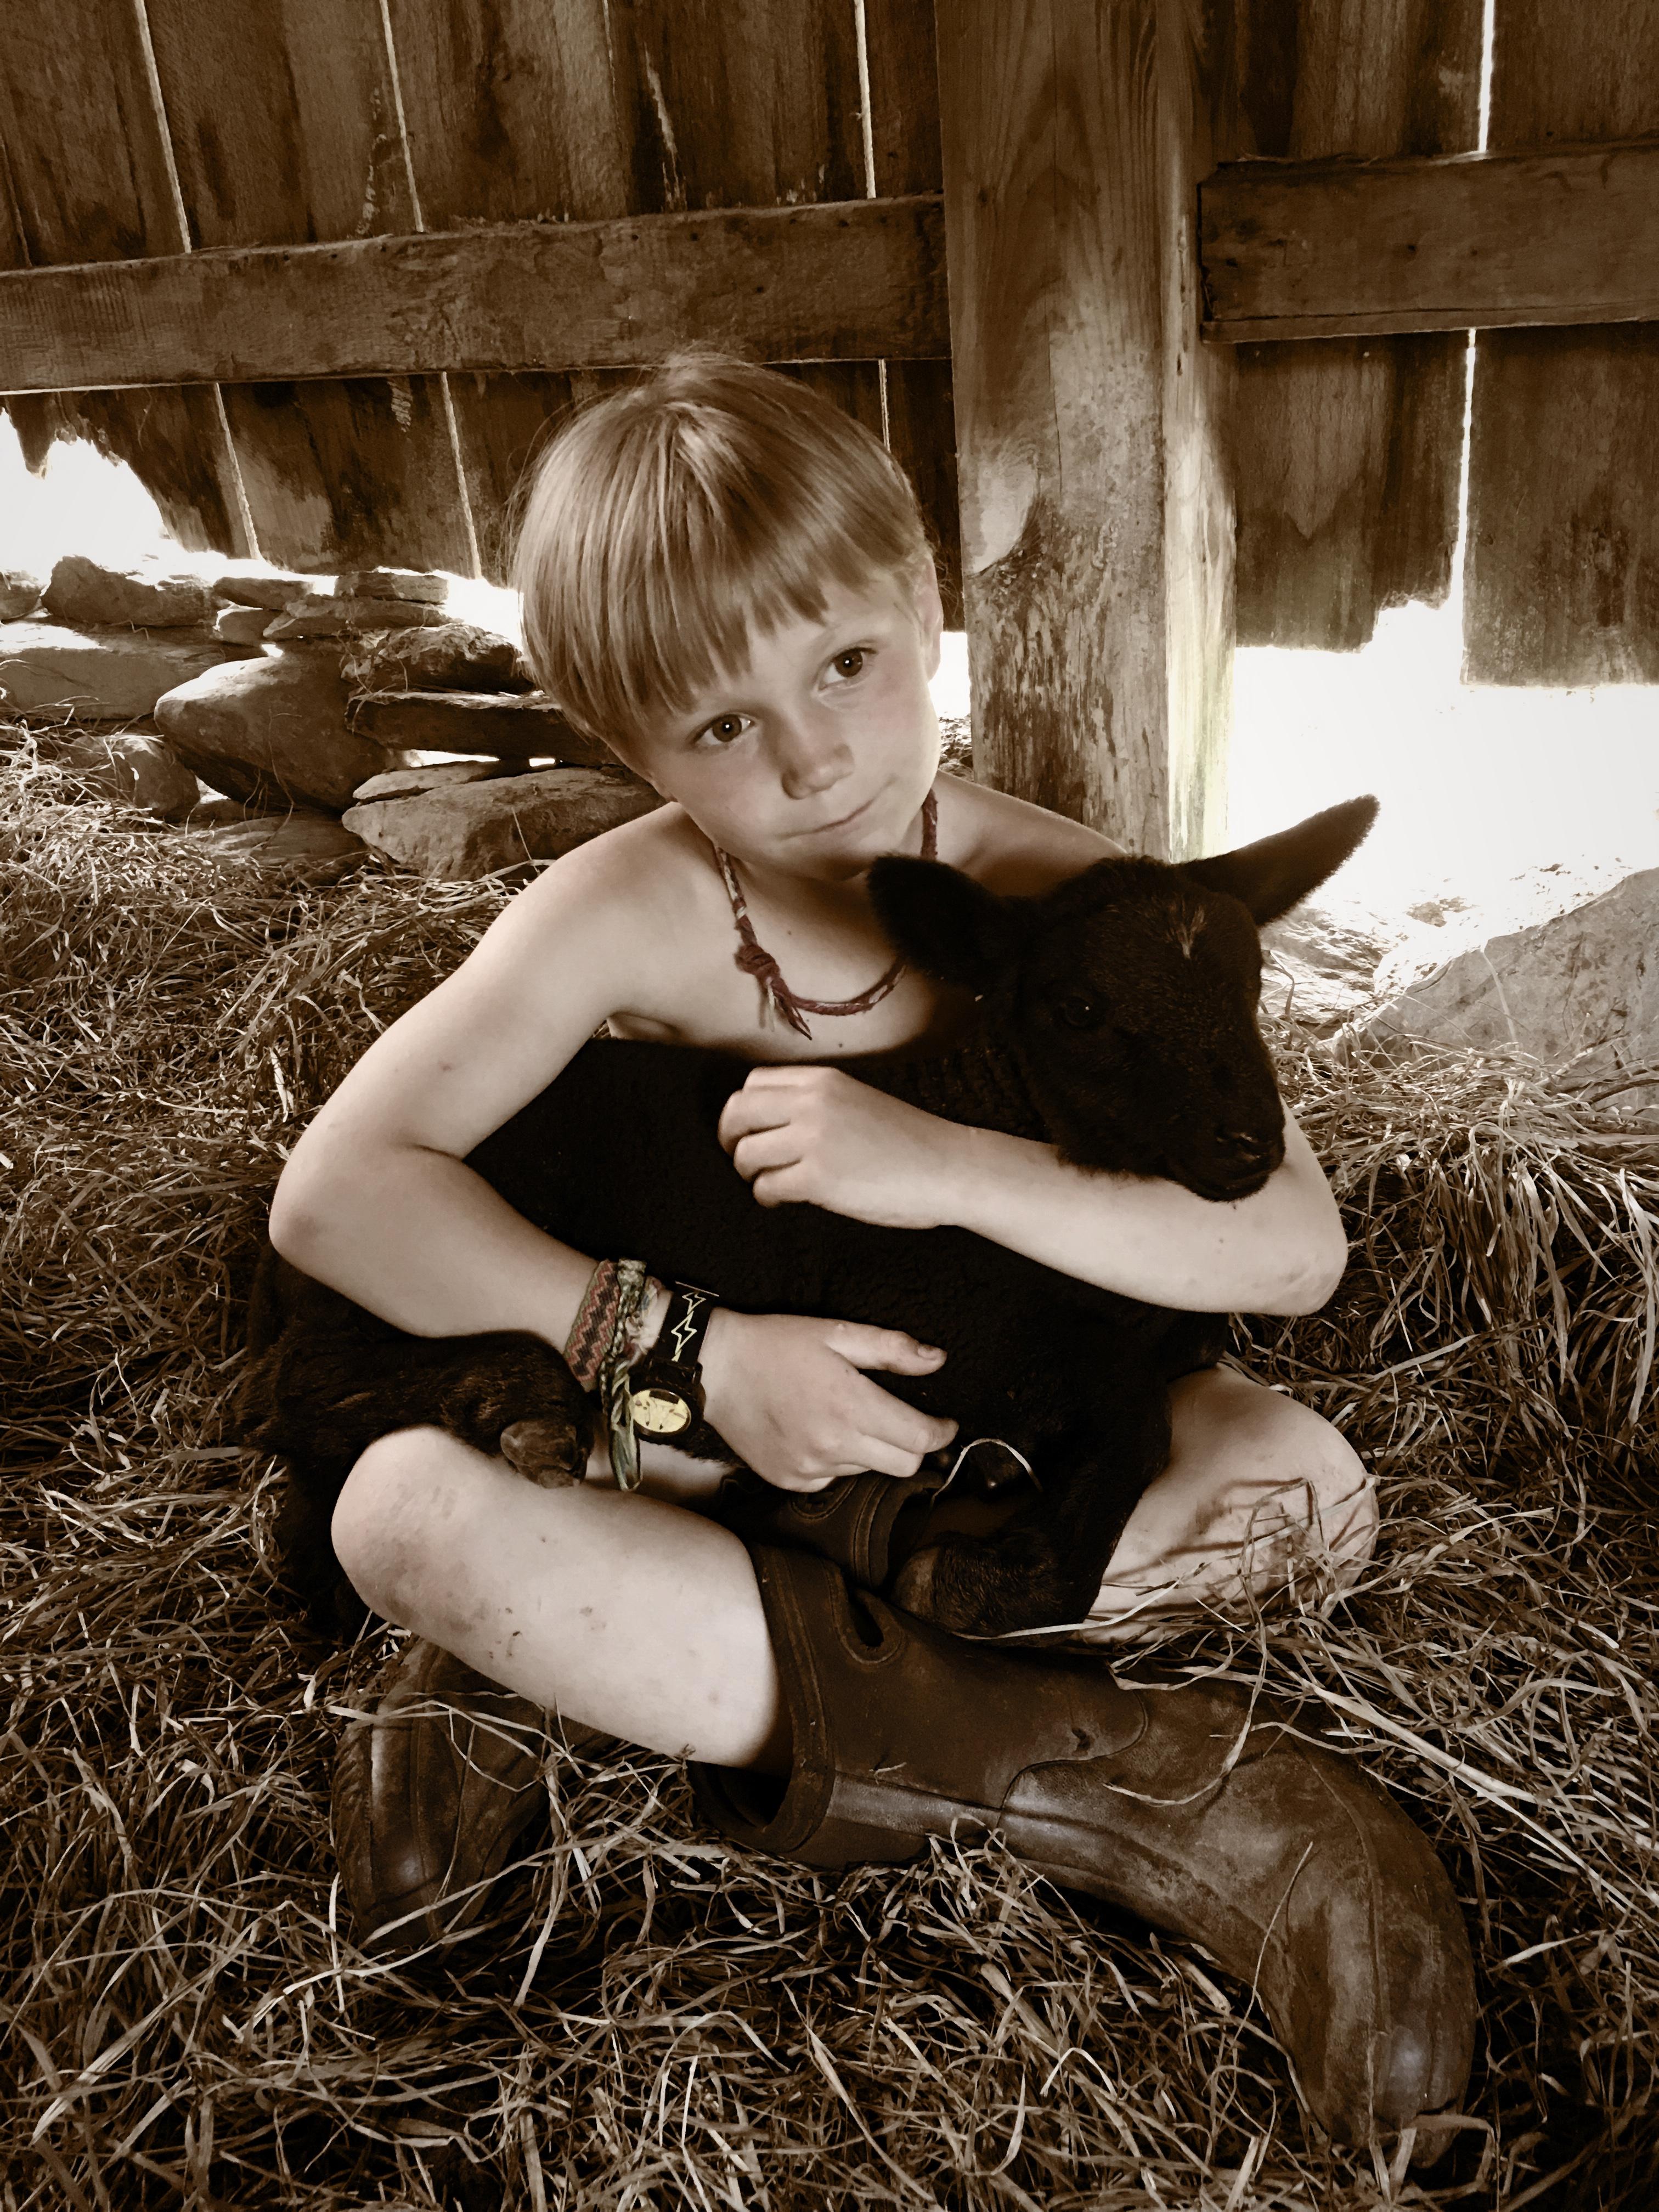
(1098, 617)
(284, 129)
(1349, 449)
(902, 61)
(107, 197)
(1562, 576)
(574, 110)
(749, 103)
(511, 111)
(1195, 124)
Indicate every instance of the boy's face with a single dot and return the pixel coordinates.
(815, 759)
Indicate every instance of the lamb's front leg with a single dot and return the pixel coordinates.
(1043, 1566)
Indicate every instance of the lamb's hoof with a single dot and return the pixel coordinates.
(549, 1452)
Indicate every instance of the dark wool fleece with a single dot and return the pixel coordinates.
(621, 1155)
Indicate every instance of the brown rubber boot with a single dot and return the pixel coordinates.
(431, 1797)
(1182, 1803)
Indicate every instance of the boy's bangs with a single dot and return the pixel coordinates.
(702, 593)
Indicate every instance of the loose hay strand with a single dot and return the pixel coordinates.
(652, 2017)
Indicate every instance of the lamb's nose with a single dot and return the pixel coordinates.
(1249, 1144)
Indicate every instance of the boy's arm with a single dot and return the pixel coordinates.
(377, 1199)
(1282, 1251)
(816, 1135)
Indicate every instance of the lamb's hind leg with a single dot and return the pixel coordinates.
(328, 1396)
(327, 1378)
(1043, 1566)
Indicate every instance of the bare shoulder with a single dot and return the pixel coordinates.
(1010, 846)
(567, 954)
(630, 906)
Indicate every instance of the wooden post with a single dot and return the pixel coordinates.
(1097, 518)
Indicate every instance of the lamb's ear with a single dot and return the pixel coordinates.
(944, 923)
(1272, 876)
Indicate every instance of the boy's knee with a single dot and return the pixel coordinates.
(1342, 1491)
(383, 1525)
(1305, 1456)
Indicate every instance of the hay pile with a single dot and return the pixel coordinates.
(655, 2021)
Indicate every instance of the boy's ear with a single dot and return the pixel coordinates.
(944, 923)
(1275, 873)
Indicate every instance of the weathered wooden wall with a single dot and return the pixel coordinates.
(296, 121)
(1347, 450)
(1562, 579)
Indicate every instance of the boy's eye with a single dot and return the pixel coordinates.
(724, 728)
(856, 653)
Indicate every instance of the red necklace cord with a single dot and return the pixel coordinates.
(755, 960)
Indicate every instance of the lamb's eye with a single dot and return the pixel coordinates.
(1080, 1013)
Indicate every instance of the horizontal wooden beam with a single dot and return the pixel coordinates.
(845, 280)
(1361, 248)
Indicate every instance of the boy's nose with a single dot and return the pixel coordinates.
(810, 761)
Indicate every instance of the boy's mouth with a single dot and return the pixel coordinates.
(820, 828)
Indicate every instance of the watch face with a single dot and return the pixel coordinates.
(660, 1412)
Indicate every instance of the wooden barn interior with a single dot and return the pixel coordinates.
(1166, 321)
(1166, 308)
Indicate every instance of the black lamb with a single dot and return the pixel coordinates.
(1116, 1020)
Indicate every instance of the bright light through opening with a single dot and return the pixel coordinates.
(1477, 783)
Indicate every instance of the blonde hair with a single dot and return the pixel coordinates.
(665, 520)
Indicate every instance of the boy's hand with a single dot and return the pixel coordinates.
(814, 1136)
(788, 1396)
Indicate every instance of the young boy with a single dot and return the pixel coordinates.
(730, 583)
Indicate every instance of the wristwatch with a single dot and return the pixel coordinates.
(665, 1387)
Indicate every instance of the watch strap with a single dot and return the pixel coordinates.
(679, 1341)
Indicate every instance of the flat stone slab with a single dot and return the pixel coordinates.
(499, 724)
(457, 656)
(273, 589)
(99, 675)
(272, 731)
(1581, 987)
(83, 592)
(339, 617)
(467, 831)
(311, 845)
(424, 585)
(434, 775)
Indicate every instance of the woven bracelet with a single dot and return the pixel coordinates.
(634, 1287)
(591, 1332)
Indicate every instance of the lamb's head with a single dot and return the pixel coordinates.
(1128, 995)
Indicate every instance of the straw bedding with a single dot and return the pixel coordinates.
(653, 2019)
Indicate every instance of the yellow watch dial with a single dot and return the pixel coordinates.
(659, 1412)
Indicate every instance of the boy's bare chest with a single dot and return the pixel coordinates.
(711, 1000)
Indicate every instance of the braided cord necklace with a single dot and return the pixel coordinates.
(752, 957)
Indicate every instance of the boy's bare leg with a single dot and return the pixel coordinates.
(1257, 1483)
(628, 1614)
